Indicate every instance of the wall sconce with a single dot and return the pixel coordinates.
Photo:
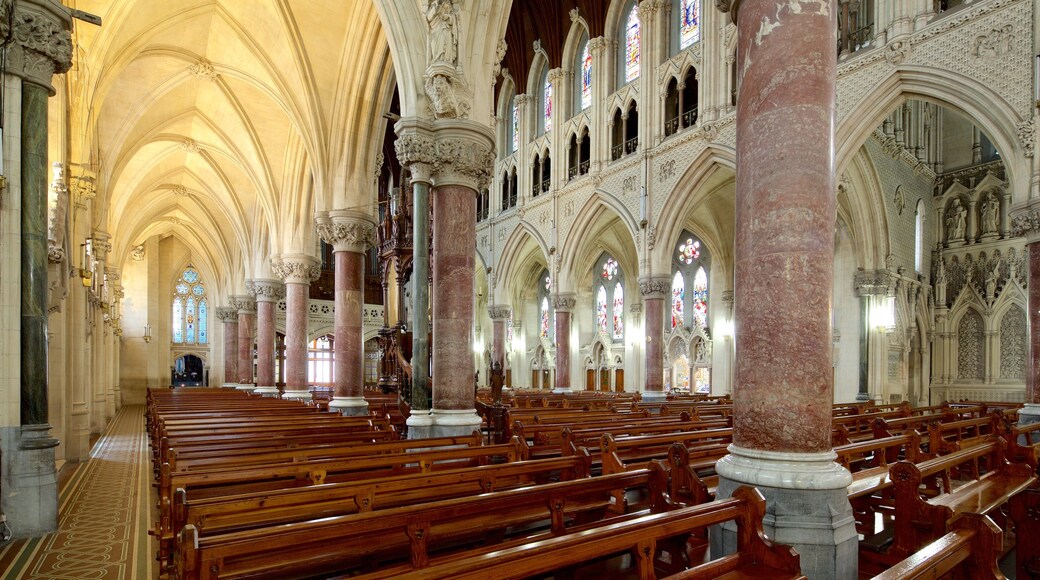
(147, 333)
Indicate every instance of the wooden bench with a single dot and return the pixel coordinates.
(654, 542)
(952, 435)
(971, 550)
(920, 520)
(1024, 510)
(869, 461)
(404, 538)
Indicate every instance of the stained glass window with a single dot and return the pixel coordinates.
(678, 296)
(689, 23)
(189, 321)
(586, 77)
(190, 309)
(689, 251)
(547, 102)
(700, 298)
(548, 284)
(601, 310)
(610, 269)
(619, 311)
(515, 129)
(203, 321)
(632, 38)
(545, 318)
(178, 320)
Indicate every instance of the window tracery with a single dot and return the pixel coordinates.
(632, 36)
(190, 309)
(610, 299)
(690, 266)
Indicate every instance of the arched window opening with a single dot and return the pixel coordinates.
(632, 129)
(483, 205)
(632, 34)
(536, 177)
(610, 299)
(505, 191)
(919, 237)
(584, 88)
(547, 323)
(617, 136)
(190, 320)
(689, 23)
(688, 98)
(578, 154)
(690, 266)
(512, 187)
(585, 153)
(319, 361)
(546, 171)
(572, 157)
(671, 108)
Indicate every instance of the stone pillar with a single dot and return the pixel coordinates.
(413, 150)
(246, 307)
(462, 152)
(100, 246)
(785, 214)
(117, 341)
(654, 291)
(228, 316)
(349, 233)
(267, 293)
(297, 271)
(564, 305)
(499, 315)
(1025, 222)
(38, 46)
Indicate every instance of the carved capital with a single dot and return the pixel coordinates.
(227, 314)
(564, 302)
(346, 230)
(655, 287)
(880, 282)
(296, 268)
(499, 312)
(243, 304)
(1025, 221)
(100, 245)
(265, 290)
(137, 253)
(40, 42)
(84, 186)
(111, 274)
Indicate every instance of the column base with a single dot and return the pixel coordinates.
(862, 397)
(349, 406)
(452, 423)
(420, 424)
(1028, 415)
(245, 387)
(654, 396)
(297, 395)
(266, 392)
(30, 483)
(230, 385)
(807, 507)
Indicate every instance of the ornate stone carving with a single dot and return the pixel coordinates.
(449, 96)
(265, 290)
(346, 233)
(970, 363)
(1027, 134)
(190, 146)
(899, 199)
(42, 44)
(243, 304)
(897, 51)
(651, 237)
(499, 312)
(1013, 344)
(203, 70)
(997, 42)
(1026, 223)
(180, 191)
(500, 53)
(453, 158)
(879, 282)
(100, 246)
(297, 269)
(137, 253)
(83, 185)
(654, 287)
(111, 274)
(55, 254)
(227, 314)
(564, 302)
(443, 19)
(667, 170)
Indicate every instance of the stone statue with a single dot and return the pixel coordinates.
(940, 282)
(443, 26)
(990, 208)
(955, 222)
(991, 281)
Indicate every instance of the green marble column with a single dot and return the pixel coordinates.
(34, 255)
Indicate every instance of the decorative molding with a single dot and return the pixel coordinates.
(499, 312)
(111, 274)
(880, 282)
(655, 287)
(265, 290)
(564, 302)
(296, 268)
(450, 158)
(346, 231)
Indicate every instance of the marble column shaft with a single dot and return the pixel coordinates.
(420, 295)
(563, 349)
(265, 343)
(296, 305)
(654, 307)
(1033, 373)
(454, 214)
(34, 255)
(246, 319)
(231, 350)
(349, 347)
(785, 214)
(498, 342)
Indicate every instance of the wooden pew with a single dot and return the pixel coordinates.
(952, 435)
(645, 539)
(971, 550)
(400, 539)
(920, 520)
(1024, 509)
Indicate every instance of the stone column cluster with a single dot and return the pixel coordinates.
(267, 293)
(297, 271)
(350, 234)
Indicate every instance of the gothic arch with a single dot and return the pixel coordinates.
(581, 247)
(515, 253)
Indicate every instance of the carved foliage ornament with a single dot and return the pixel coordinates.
(137, 253)
(296, 272)
(654, 287)
(499, 312)
(564, 303)
(40, 36)
(470, 160)
(1027, 134)
(1026, 223)
(243, 303)
(55, 254)
(356, 234)
(265, 291)
(227, 314)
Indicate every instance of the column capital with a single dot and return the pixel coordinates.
(111, 274)
(346, 230)
(265, 290)
(100, 245)
(500, 311)
(414, 146)
(655, 286)
(243, 304)
(450, 151)
(564, 302)
(874, 282)
(296, 268)
(227, 314)
(40, 42)
(1025, 220)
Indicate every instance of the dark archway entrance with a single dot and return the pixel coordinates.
(188, 371)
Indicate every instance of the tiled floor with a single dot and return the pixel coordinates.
(104, 515)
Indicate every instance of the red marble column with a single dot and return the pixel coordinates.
(785, 208)
(349, 346)
(1032, 388)
(297, 271)
(498, 342)
(654, 309)
(564, 304)
(229, 317)
(246, 320)
(453, 264)
(267, 294)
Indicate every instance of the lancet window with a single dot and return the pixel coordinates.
(689, 298)
(190, 320)
(610, 298)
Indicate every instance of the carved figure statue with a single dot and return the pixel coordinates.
(990, 208)
(443, 25)
(940, 282)
(991, 281)
(955, 222)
